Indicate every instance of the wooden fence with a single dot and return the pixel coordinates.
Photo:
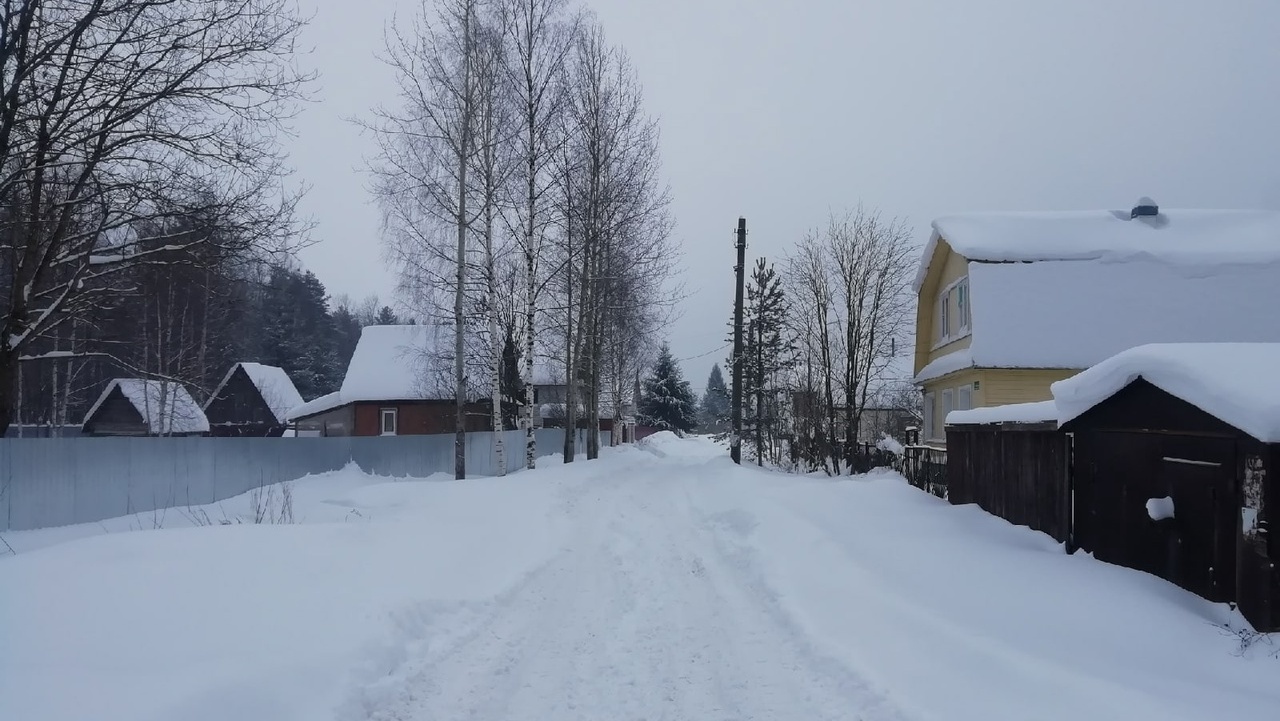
(925, 467)
(1019, 472)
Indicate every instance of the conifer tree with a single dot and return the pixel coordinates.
(512, 384)
(716, 403)
(767, 352)
(667, 402)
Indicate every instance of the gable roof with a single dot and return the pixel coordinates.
(166, 407)
(1181, 237)
(1234, 382)
(273, 384)
(391, 362)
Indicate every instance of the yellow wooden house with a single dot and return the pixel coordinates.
(1008, 303)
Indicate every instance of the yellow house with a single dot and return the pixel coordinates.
(1008, 303)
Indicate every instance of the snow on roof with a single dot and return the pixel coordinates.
(1073, 314)
(324, 403)
(942, 365)
(391, 362)
(1181, 237)
(165, 406)
(397, 362)
(273, 384)
(1041, 412)
(1234, 382)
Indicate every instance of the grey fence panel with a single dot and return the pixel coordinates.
(59, 481)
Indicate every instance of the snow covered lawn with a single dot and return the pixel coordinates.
(658, 582)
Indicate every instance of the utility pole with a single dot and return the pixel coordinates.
(735, 448)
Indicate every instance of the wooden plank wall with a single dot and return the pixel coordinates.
(1017, 474)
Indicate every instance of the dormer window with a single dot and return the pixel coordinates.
(953, 311)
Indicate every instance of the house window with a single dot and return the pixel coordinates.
(948, 405)
(929, 430)
(953, 311)
(964, 398)
(944, 321)
(389, 421)
(535, 395)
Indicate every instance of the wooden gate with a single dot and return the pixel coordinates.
(1117, 473)
(1201, 535)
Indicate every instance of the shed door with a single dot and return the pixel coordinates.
(1201, 536)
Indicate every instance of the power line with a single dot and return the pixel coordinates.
(704, 355)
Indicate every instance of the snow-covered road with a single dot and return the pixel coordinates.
(659, 582)
(650, 610)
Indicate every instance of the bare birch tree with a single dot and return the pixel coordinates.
(428, 145)
(493, 170)
(615, 202)
(539, 34)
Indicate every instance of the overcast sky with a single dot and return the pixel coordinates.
(780, 111)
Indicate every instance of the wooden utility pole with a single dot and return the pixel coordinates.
(735, 448)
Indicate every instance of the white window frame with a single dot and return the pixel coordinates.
(964, 397)
(944, 319)
(930, 416)
(394, 415)
(948, 405)
(961, 315)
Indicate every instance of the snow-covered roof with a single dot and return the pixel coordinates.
(1182, 237)
(165, 406)
(391, 362)
(1073, 314)
(1042, 412)
(326, 402)
(1234, 382)
(942, 365)
(273, 384)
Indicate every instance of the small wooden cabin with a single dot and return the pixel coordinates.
(1176, 465)
(137, 407)
(398, 383)
(252, 400)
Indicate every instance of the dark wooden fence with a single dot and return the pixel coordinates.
(1016, 471)
(925, 467)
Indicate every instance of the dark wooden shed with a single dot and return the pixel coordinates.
(137, 407)
(252, 400)
(1142, 446)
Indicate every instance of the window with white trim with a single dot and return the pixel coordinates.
(929, 413)
(964, 397)
(948, 405)
(390, 421)
(944, 320)
(953, 311)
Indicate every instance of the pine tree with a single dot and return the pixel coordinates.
(386, 316)
(765, 354)
(667, 402)
(300, 335)
(347, 328)
(512, 383)
(716, 403)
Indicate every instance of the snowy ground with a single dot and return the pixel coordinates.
(657, 583)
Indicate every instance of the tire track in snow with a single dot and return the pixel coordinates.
(649, 612)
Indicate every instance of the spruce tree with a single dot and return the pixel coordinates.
(512, 385)
(716, 403)
(386, 316)
(667, 402)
